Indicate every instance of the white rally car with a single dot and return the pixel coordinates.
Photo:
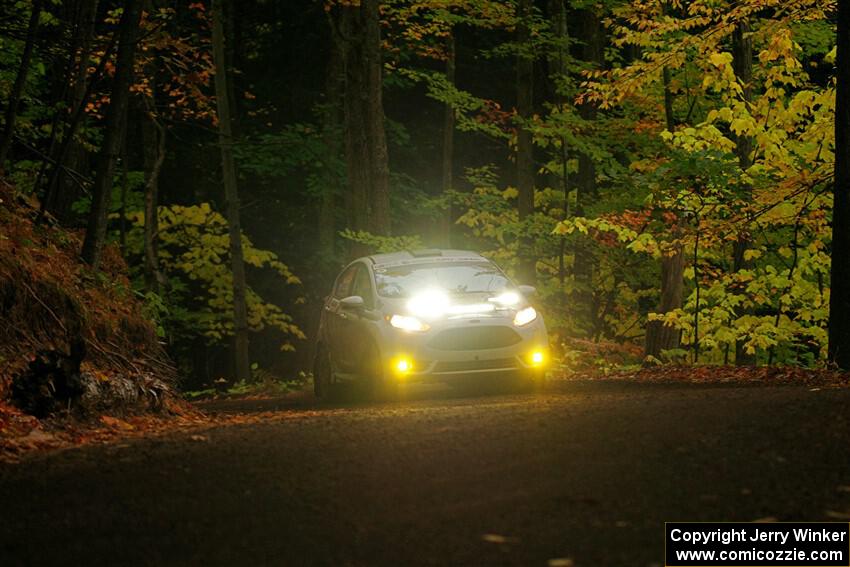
(444, 315)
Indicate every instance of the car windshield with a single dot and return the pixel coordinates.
(456, 277)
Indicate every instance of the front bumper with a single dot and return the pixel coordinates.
(458, 348)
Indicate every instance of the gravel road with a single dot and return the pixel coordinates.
(581, 472)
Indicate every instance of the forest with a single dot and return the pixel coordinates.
(183, 180)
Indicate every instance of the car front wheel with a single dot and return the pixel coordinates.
(322, 373)
(532, 379)
(378, 382)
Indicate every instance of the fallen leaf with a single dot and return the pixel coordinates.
(37, 436)
(496, 538)
(837, 515)
(116, 423)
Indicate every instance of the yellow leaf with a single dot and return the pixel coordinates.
(720, 59)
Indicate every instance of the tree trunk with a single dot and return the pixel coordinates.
(125, 181)
(379, 160)
(660, 337)
(365, 140)
(334, 85)
(669, 119)
(742, 62)
(231, 31)
(228, 166)
(60, 190)
(20, 83)
(839, 299)
(558, 71)
(591, 35)
(77, 157)
(448, 145)
(525, 145)
(102, 189)
(356, 138)
(154, 141)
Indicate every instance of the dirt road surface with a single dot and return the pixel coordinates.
(582, 472)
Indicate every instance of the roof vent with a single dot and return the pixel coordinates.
(426, 252)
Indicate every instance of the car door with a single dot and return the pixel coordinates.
(334, 315)
(353, 327)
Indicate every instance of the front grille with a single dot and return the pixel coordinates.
(475, 338)
(471, 365)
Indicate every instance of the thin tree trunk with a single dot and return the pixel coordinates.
(590, 32)
(839, 299)
(77, 117)
(669, 119)
(76, 156)
(154, 137)
(334, 85)
(660, 337)
(558, 69)
(225, 137)
(230, 31)
(102, 190)
(78, 27)
(697, 290)
(20, 82)
(125, 177)
(525, 146)
(742, 62)
(379, 196)
(448, 144)
(154, 151)
(356, 138)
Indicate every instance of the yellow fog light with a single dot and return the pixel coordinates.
(402, 365)
(537, 358)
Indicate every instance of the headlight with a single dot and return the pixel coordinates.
(506, 298)
(429, 303)
(525, 316)
(411, 324)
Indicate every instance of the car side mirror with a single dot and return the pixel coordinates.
(352, 303)
(527, 290)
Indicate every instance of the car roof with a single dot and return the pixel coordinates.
(424, 256)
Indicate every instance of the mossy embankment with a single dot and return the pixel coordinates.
(73, 341)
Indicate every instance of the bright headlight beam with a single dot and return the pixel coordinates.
(429, 303)
(507, 298)
(410, 324)
(471, 309)
(525, 316)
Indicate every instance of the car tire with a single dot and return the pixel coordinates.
(531, 380)
(378, 385)
(322, 373)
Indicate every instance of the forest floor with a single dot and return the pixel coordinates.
(581, 473)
